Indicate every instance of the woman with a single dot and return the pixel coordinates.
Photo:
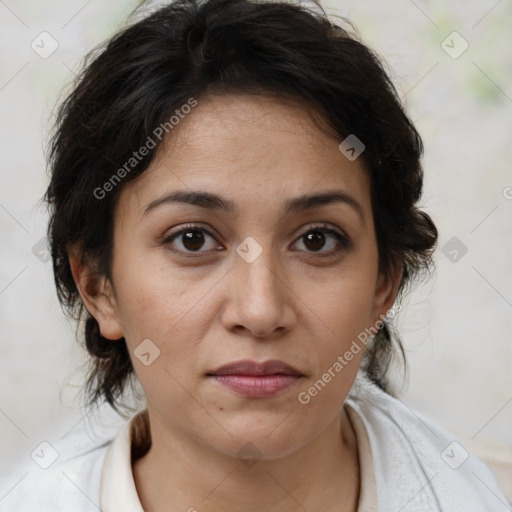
(233, 197)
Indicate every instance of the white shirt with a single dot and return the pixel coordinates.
(408, 464)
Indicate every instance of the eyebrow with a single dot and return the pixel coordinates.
(210, 201)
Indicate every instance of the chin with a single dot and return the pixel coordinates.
(265, 440)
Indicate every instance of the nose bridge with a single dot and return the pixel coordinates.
(259, 299)
(256, 270)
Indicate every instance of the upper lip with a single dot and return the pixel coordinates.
(248, 367)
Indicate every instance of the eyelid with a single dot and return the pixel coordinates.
(324, 227)
(183, 229)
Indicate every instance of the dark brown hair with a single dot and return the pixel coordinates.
(135, 81)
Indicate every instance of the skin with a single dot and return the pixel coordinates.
(292, 303)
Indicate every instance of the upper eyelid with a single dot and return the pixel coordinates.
(321, 225)
(191, 227)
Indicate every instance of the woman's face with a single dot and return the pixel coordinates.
(251, 277)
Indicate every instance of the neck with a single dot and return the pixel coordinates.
(178, 473)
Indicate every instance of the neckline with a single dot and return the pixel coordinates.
(134, 440)
(140, 443)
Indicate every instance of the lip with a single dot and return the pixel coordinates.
(257, 380)
(248, 367)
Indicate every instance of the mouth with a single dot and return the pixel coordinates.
(257, 380)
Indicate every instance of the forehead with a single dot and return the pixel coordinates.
(247, 122)
(246, 146)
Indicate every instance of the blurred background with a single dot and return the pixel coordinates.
(452, 65)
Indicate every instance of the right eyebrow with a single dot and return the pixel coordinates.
(202, 199)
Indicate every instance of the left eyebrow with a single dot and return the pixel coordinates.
(211, 201)
(308, 201)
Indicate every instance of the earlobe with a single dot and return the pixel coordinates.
(97, 296)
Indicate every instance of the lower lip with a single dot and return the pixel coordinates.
(255, 386)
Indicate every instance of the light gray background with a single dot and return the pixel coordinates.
(456, 327)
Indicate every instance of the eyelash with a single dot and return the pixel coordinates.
(343, 240)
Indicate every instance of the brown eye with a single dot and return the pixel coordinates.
(314, 240)
(191, 239)
(324, 240)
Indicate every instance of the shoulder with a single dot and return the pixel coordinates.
(419, 465)
(62, 476)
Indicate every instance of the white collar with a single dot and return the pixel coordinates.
(118, 491)
(406, 455)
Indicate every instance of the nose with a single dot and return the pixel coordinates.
(259, 298)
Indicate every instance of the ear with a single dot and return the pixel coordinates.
(97, 294)
(386, 290)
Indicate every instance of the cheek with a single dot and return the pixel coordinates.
(173, 317)
(345, 303)
(149, 300)
(345, 317)
(338, 352)
(349, 313)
